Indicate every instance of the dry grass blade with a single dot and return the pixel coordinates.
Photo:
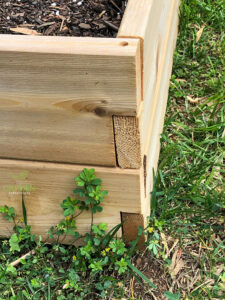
(192, 100)
(199, 33)
(164, 241)
(174, 245)
(16, 262)
(207, 282)
(177, 264)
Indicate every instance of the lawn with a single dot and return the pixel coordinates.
(184, 255)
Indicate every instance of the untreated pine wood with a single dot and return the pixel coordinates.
(155, 24)
(127, 140)
(158, 94)
(102, 72)
(51, 183)
(153, 131)
(147, 20)
(58, 95)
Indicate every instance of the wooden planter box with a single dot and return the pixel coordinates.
(67, 103)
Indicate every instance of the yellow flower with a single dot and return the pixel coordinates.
(59, 227)
(103, 253)
(74, 257)
(67, 218)
(107, 249)
(150, 229)
(21, 220)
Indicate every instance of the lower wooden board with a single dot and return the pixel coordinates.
(51, 183)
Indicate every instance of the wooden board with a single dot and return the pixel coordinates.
(52, 182)
(157, 30)
(155, 24)
(58, 95)
(148, 21)
(152, 132)
(46, 134)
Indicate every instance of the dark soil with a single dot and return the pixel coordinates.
(154, 271)
(93, 18)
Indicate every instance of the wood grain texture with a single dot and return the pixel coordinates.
(51, 183)
(127, 140)
(152, 117)
(155, 23)
(148, 21)
(100, 72)
(57, 96)
(48, 133)
(154, 108)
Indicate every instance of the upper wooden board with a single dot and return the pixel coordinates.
(58, 95)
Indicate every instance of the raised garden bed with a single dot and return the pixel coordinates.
(68, 102)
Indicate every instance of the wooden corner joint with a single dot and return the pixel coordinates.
(127, 142)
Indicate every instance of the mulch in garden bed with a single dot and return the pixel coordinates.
(92, 18)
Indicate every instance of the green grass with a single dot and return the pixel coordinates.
(189, 194)
(191, 167)
(188, 200)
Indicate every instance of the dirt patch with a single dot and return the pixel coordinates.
(153, 269)
(92, 18)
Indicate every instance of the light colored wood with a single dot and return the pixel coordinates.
(155, 23)
(152, 120)
(51, 183)
(154, 108)
(148, 20)
(127, 140)
(100, 72)
(58, 95)
(47, 133)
